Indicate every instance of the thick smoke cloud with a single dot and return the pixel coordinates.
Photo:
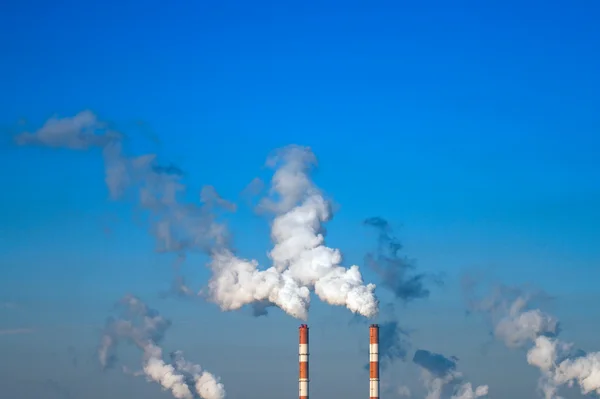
(517, 324)
(301, 262)
(145, 328)
(441, 378)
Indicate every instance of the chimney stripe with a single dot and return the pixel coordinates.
(374, 361)
(303, 362)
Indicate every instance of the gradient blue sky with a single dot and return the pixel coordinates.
(472, 126)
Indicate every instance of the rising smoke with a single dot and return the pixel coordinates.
(302, 263)
(398, 276)
(145, 328)
(517, 324)
(441, 378)
(394, 270)
(393, 343)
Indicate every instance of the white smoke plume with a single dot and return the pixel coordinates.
(145, 328)
(205, 383)
(560, 363)
(301, 261)
(164, 374)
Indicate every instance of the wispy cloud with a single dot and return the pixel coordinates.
(15, 331)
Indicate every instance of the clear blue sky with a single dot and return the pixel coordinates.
(472, 126)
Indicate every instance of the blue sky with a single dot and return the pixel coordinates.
(471, 126)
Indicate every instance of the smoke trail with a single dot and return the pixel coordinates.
(397, 275)
(393, 269)
(145, 328)
(205, 383)
(441, 378)
(438, 365)
(80, 132)
(301, 261)
(393, 343)
(138, 325)
(509, 313)
(516, 324)
(175, 225)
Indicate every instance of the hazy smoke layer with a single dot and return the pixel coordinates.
(145, 328)
(301, 261)
(442, 380)
(517, 325)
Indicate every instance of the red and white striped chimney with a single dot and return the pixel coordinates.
(303, 355)
(374, 361)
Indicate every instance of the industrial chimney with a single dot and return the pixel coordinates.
(374, 361)
(303, 354)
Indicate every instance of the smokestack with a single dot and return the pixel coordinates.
(374, 361)
(303, 354)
